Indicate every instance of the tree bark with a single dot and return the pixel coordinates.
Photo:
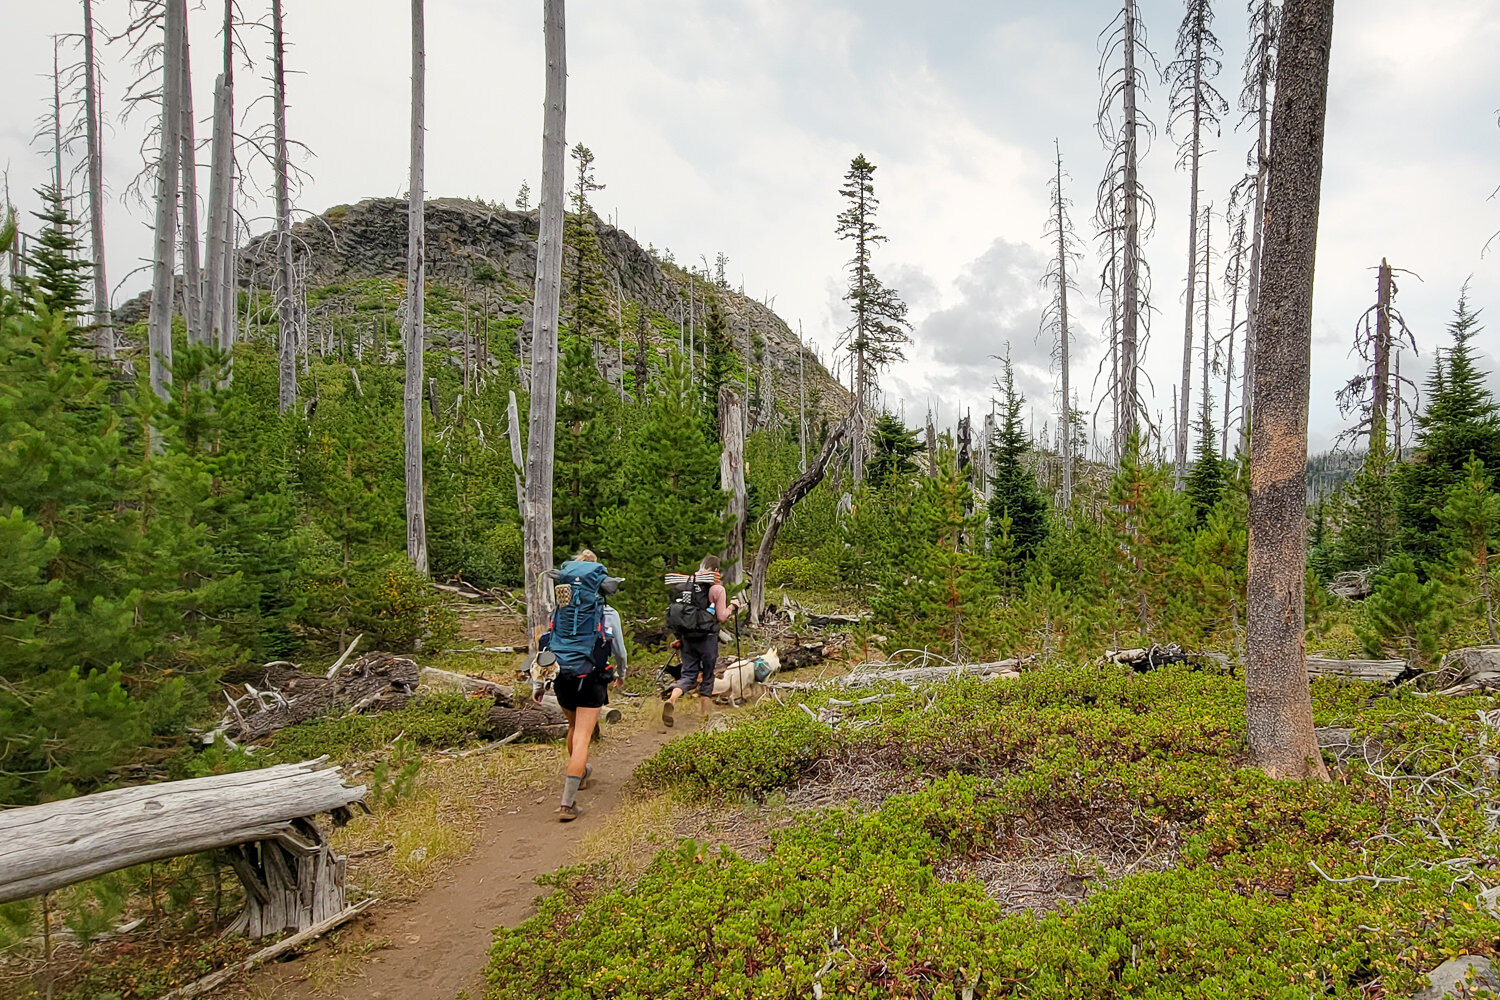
(104, 333)
(168, 174)
(286, 277)
(1063, 339)
(800, 487)
(1278, 703)
(732, 481)
(1183, 419)
(220, 308)
(542, 418)
(413, 335)
(192, 265)
(1380, 396)
(1265, 77)
(1131, 314)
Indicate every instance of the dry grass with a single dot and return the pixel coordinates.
(435, 826)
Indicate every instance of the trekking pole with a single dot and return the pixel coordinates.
(737, 654)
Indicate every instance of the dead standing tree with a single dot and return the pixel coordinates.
(1195, 107)
(1375, 393)
(1125, 211)
(168, 175)
(1278, 704)
(219, 276)
(1255, 102)
(1059, 278)
(286, 273)
(1234, 284)
(413, 335)
(104, 334)
(731, 411)
(537, 514)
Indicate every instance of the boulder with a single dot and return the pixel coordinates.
(1459, 978)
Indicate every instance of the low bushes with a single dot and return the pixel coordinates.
(850, 902)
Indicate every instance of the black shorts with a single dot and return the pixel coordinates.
(575, 691)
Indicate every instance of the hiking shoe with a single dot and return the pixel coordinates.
(567, 814)
(588, 771)
(666, 714)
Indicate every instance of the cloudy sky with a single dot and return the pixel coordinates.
(725, 125)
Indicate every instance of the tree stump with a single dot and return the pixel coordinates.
(290, 884)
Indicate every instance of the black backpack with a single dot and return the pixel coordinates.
(690, 615)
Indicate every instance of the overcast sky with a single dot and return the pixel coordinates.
(726, 125)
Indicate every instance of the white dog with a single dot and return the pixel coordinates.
(741, 677)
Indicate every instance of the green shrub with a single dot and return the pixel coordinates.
(757, 753)
(439, 720)
(802, 573)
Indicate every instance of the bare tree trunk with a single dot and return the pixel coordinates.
(104, 334)
(192, 269)
(1188, 314)
(801, 397)
(413, 335)
(1063, 338)
(159, 330)
(1236, 278)
(732, 481)
(543, 416)
(1208, 218)
(800, 487)
(1131, 293)
(286, 277)
(1278, 704)
(1264, 48)
(1381, 391)
(220, 315)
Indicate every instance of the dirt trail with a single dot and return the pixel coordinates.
(440, 940)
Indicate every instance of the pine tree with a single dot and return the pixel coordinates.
(673, 511)
(1369, 511)
(1472, 519)
(1014, 493)
(935, 593)
(523, 198)
(54, 260)
(874, 340)
(893, 449)
(1405, 614)
(585, 258)
(1461, 420)
(642, 355)
(1205, 484)
(1146, 519)
(718, 359)
(585, 450)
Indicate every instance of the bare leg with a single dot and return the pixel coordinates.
(580, 729)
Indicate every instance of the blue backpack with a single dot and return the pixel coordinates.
(578, 622)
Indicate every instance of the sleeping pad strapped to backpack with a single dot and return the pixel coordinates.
(691, 615)
(578, 622)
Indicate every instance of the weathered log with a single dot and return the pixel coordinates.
(1466, 671)
(798, 655)
(532, 721)
(1373, 671)
(1352, 585)
(999, 670)
(1141, 660)
(47, 847)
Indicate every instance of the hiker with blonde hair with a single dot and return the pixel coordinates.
(586, 643)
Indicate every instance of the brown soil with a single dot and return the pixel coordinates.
(435, 946)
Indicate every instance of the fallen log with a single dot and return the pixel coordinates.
(800, 655)
(531, 721)
(264, 818)
(1371, 671)
(1466, 671)
(1352, 585)
(999, 670)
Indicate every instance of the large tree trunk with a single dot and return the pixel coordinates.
(192, 267)
(1278, 704)
(543, 410)
(1063, 339)
(732, 481)
(168, 173)
(1380, 401)
(800, 487)
(413, 337)
(104, 333)
(286, 280)
(1183, 420)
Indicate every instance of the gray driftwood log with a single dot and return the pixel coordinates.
(1373, 671)
(264, 819)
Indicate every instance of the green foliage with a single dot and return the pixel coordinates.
(586, 462)
(1243, 913)
(672, 514)
(893, 451)
(1205, 484)
(395, 778)
(718, 362)
(1147, 519)
(58, 269)
(802, 573)
(1015, 499)
(1405, 613)
(757, 753)
(1462, 419)
(1472, 519)
(432, 721)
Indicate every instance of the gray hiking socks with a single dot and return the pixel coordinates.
(570, 789)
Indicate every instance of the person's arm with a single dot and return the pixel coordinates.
(722, 606)
(617, 632)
